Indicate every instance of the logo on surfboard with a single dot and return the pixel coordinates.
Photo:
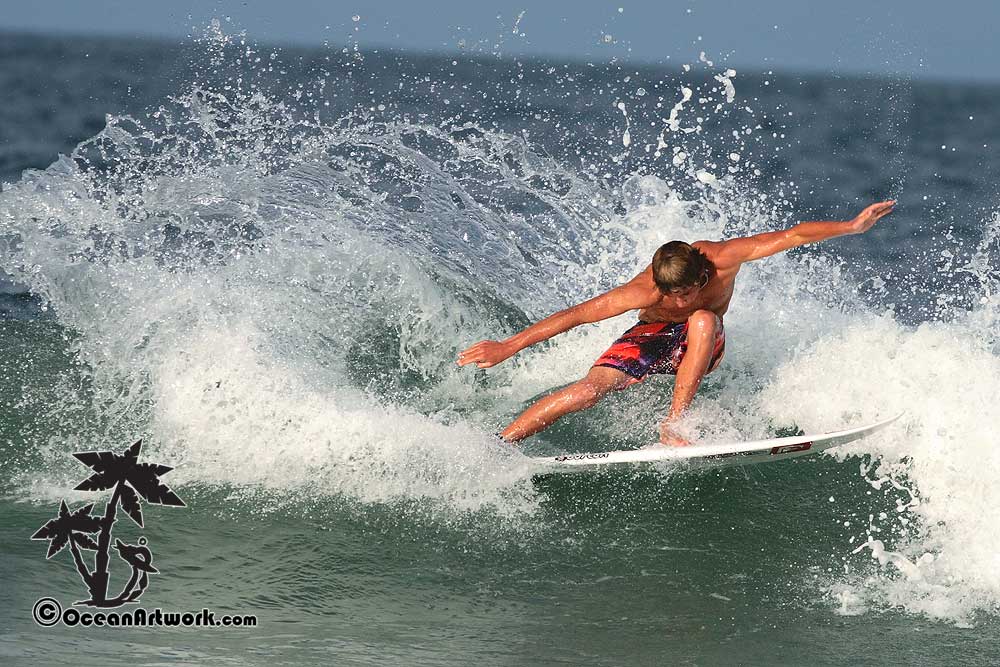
(788, 449)
(582, 457)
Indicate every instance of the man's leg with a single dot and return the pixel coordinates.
(580, 395)
(703, 327)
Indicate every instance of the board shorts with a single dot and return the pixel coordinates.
(651, 348)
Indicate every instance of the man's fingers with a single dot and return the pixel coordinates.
(472, 355)
(474, 349)
(879, 209)
(886, 210)
(876, 211)
(483, 354)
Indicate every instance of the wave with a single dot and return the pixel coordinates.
(277, 301)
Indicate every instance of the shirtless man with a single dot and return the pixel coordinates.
(681, 297)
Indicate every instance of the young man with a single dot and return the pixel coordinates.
(681, 296)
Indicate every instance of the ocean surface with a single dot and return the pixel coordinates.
(263, 262)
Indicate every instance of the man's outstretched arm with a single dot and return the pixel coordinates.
(747, 249)
(630, 296)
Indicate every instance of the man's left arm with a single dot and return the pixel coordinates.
(749, 248)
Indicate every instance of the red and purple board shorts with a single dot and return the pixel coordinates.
(649, 348)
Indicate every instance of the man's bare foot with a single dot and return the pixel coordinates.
(671, 438)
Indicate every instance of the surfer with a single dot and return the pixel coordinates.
(682, 297)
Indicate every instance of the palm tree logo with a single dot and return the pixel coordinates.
(130, 481)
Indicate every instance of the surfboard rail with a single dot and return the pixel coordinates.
(775, 449)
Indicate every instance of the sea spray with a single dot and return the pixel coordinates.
(277, 298)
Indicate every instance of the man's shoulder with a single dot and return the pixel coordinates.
(707, 246)
(711, 249)
(716, 252)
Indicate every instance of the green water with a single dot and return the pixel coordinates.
(725, 567)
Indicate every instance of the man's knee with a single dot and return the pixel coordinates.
(703, 324)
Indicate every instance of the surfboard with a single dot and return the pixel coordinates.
(762, 451)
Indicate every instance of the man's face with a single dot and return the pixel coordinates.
(684, 296)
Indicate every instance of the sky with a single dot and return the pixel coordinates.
(912, 38)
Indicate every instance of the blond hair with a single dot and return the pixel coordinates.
(678, 264)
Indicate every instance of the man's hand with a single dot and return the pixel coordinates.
(868, 217)
(486, 353)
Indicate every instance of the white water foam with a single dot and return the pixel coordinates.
(287, 337)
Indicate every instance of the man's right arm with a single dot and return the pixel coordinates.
(747, 249)
(630, 296)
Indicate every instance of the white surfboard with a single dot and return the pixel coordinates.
(777, 449)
